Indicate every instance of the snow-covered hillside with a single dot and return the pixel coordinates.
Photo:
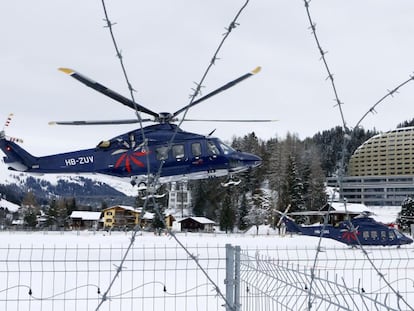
(8, 205)
(121, 185)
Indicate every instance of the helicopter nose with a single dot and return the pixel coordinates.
(408, 240)
(253, 160)
(242, 161)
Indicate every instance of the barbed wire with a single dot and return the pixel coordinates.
(152, 183)
(390, 93)
(137, 228)
(353, 230)
(339, 103)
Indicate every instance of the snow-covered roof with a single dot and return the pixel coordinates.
(9, 205)
(125, 207)
(18, 222)
(86, 215)
(148, 216)
(350, 207)
(201, 220)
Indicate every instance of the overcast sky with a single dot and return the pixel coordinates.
(167, 45)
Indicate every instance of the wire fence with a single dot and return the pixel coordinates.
(164, 277)
(343, 279)
(73, 278)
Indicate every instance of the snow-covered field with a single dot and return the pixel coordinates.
(65, 270)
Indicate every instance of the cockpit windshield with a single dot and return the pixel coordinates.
(226, 149)
(398, 234)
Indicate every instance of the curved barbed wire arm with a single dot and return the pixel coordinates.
(137, 228)
(196, 91)
(339, 103)
(390, 93)
(109, 25)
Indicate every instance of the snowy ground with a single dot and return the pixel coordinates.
(57, 266)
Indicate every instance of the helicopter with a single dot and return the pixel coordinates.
(139, 154)
(356, 228)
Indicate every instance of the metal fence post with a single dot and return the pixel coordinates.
(229, 281)
(237, 279)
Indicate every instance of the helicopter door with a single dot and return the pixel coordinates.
(196, 151)
(174, 159)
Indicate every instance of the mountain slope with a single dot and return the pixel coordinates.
(87, 190)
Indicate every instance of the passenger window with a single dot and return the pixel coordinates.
(178, 151)
(374, 235)
(391, 235)
(212, 148)
(365, 235)
(162, 153)
(196, 149)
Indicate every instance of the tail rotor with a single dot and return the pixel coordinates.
(3, 131)
(283, 215)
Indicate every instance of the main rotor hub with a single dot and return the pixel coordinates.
(164, 117)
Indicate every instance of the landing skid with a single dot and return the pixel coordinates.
(145, 185)
(231, 182)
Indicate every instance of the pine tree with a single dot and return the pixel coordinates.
(406, 216)
(314, 193)
(227, 215)
(31, 209)
(257, 216)
(30, 217)
(243, 212)
(292, 189)
(52, 214)
(198, 195)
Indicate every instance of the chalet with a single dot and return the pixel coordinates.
(120, 216)
(85, 220)
(197, 224)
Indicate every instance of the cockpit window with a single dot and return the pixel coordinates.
(226, 149)
(212, 148)
(398, 234)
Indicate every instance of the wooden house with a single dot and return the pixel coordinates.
(195, 224)
(85, 220)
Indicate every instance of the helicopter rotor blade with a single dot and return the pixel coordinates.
(219, 90)
(99, 122)
(229, 120)
(108, 92)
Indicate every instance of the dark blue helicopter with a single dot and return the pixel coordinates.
(359, 230)
(139, 154)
